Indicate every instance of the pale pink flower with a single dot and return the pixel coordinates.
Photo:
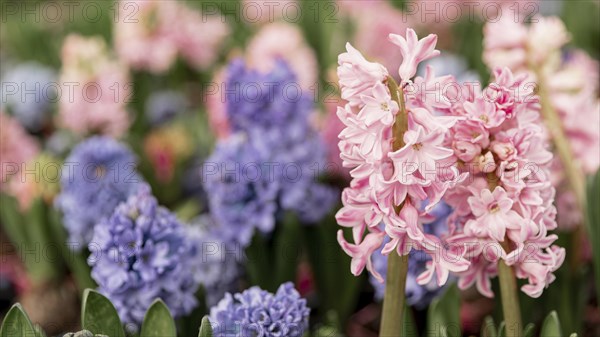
(17, 147)
(361, 253)
(378, 108)
(504, 44)
(416, 176)
(96, 88)
(414, 51)
(494, 214)
(484, 111)
(422, 149)
(510, 154)
(571, 82)
(378, 18)
(285, 41)
(545, 38)
(198, 37)
(357, 76)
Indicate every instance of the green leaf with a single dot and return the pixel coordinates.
(488, 329)
(502, 329)
(39, 332)
(573, 335)
(158, 321)
(205, 328)
(16, 323)
(99, 316)
(529, 330)
(444, 314)
(593, 223)
(551, 326)
(287, 245)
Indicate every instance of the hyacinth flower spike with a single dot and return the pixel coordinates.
(387, 134)
(400, 171)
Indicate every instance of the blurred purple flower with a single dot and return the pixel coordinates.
(256, 312)
(239, 202)
(271, 162)
(97, 175)
(215, 263)
(35, 87)
(141, 253)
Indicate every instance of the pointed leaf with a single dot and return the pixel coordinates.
(158, 321)
(488, 329)
(502, 329)
(17, 323)
(205, 328)
(99, 316)
(529, 330)
(39, 332)
(444, 313)
(551, 326)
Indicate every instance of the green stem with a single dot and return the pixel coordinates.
(510, 300)
(573, 172)
(394, 299)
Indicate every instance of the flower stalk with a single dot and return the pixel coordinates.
(394, 300)
(510, 299)
(553, 123)
(508, 284)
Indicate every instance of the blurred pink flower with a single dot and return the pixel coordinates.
(216, 107)
(17, 147)
(269, 11)
(331, 126)
(285, 41)
(377, 18)
(571, 80)
(95, 88)
(160, 30)
(198, 38)
(146, 41)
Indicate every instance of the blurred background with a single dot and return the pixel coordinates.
(151, 75)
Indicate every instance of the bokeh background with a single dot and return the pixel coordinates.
(160, 67)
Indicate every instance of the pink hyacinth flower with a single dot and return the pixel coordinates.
(414, 51)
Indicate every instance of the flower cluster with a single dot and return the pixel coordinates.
(256, 312)
(140, 253)
(492, 136)
(95, 88)
(505, 209)
(268, 163)
(417, 295)
(153, 41)
(97, 175)
(571, 82)
(27, 91)
(393, 172)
